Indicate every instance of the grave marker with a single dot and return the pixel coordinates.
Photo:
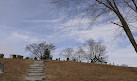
(1, 68)
(14, 56)
(1, 55)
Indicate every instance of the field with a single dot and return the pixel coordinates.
(75, 71)
(16, 70)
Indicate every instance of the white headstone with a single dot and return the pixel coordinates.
(1, 68)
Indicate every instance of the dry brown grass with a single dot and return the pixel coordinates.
(14, 69)
(75, 71)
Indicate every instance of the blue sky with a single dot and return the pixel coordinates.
(32, 21)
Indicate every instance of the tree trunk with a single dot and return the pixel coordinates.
(127, 30)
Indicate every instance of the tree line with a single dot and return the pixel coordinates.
(91, 51)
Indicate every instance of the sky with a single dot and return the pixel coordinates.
(24, 22)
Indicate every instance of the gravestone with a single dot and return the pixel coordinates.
(19, 57)
(1, 68)
(14, 56)
(67, 59)
(105, 62)
(50, 58)
(27, 58)
(1, 55)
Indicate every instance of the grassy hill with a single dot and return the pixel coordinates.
(16, 70)
(75, 71)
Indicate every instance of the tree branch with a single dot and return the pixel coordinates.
(131, 6)
(117, 24)
(104, 4)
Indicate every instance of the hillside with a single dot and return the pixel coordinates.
(75, 71)
(16, 70)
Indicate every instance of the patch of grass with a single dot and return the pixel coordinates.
(76, 71)
(14, 69)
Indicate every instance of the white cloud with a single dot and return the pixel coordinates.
(23, 37)
(43, 21)
(125, 55)
(15, 42)
(77, 22)
(109, 34)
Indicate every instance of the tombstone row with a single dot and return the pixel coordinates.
(17, 56)
(13, 56)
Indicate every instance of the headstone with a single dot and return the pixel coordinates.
(1, 55)
(27, 58)
(14, 56)
(105, 62)
(67, 59)
(1, 68)
(19, 57)
(50, 58)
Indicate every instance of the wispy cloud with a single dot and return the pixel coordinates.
(23, 37)
(21, 18)
(43, 21)
(118, 46)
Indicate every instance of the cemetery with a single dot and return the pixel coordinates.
(19, 69)
(68, 40)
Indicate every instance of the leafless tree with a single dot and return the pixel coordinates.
(90, 51)
(80, 52)
(38, 49)
(68, 53)
(93, 9)
(94, 50)
(132, 4)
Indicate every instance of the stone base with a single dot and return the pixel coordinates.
(35, 78)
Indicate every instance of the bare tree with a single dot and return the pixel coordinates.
(80, 52)
(93, 9)
(38, 49)
(94, 50)
(91, 51)
(67, 53)
(131, 4)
